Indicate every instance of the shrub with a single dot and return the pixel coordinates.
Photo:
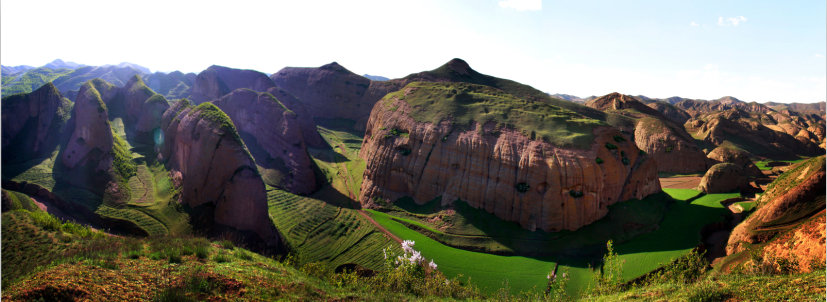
(669, 149)
(46, 220)
(243, 255)
(598, 160)
(202, 251)
(522, 187)
(576, 194)
(403, 150)
(610, 146)
(226, 244)
(609, 278)
(708, 292)
(625, 161)
(685, 269)
(221, 257)
(619, 138)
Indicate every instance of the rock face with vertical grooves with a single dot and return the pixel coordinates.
(498, 168)
(274, 136)
(218, 177)
(33, 123)
(217, 81)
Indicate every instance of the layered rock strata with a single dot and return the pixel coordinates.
(500, 170)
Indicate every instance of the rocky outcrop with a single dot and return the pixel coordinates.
(668, 143)
(331, 91)
(33, 123)
(218, 178)
(308, 127)
(737, 157)
(273, 134)
(724, 178)
(217, 81)
(791, 199)
(499, 169)
(674, 114)
(750, 131)
(803, 247)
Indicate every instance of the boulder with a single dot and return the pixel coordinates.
(724, 178)
(740, 158)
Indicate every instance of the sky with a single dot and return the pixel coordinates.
(752, 50)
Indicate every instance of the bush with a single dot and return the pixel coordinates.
(619, 138)
(610, 146)
(625, 161)
(522, 187)
(598, 160)
(609, 279)
(708, 292)
(685, 269)
(202, 252)
(221, 257)
(243, 255)
(46, 221)
(227, 245)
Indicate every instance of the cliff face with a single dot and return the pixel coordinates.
(332, 91)
(33, 123)
(90, 141)
(218, 177)
(274, 135)
(667, 142)
(217, 81)
(499, 169)
(793, 197)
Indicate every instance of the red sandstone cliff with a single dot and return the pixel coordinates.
(218, 177)
(33, 123)
(500, 170)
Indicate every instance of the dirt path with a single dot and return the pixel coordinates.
(380, 227)
(687, 182)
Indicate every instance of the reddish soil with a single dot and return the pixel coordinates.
(688, 182)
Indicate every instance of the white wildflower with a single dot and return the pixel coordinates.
(407, 246)
(432, 265)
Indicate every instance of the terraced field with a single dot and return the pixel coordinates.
(319, 231)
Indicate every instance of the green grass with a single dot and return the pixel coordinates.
(323, 232)
(677, 234)
(342, 169)
(762, 164)
(19, 201)
(464, 103)
(213, 114)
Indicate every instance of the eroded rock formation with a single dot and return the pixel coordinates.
(273, 134)
(217, 81)
(740, 158)
(500, 170)
(33, 123)
(218, 177)
(667, 142)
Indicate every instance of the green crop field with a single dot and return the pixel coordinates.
(762, 164)
(676, 235)
(340, 163)
(322, 232)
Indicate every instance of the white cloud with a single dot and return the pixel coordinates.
(818, 55)
(522, 5)
(731, 21)
(694, 24)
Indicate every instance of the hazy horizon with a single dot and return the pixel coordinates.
(702, 50)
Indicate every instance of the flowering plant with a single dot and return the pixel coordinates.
(410, 261)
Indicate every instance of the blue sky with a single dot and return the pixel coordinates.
(753, 50)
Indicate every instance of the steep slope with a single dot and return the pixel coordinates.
(217, 81)
(547, 168)
(667, 142)
(33, 123)
(671, 112)
(724, 178)
(794, 196)
(789, 218)
(88, 159)
(274, 135)
(740, 158)
(217, 175)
